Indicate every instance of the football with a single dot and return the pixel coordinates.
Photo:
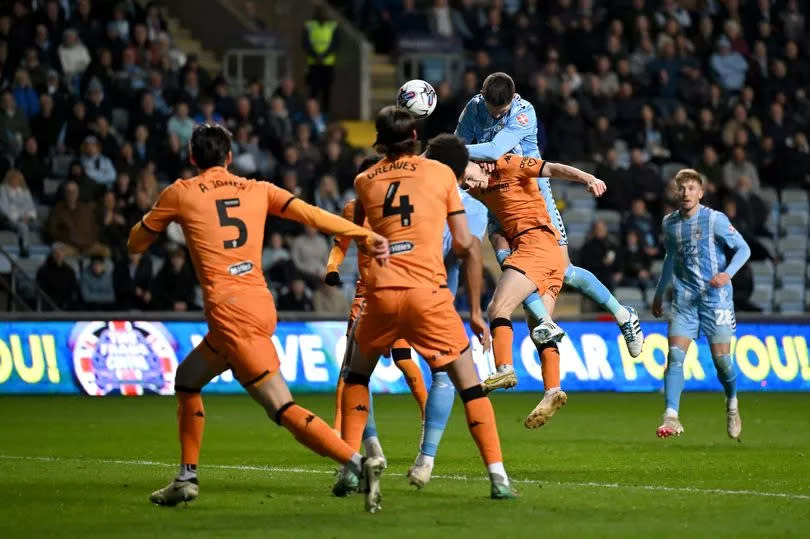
(418, 97)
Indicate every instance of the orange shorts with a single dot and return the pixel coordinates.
(239, 331)
(537, 255)
(424, 317)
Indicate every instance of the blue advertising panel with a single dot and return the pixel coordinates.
(139, 357)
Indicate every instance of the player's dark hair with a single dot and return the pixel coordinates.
(450, 150)
(395, 127)
(498, 89)
(368, 162)
(210, 145)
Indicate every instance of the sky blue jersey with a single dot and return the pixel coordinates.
(488, 139)
(695, 254)
(476, 214)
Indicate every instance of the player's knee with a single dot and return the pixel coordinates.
(352, 377)
(472, 393)
(277, 415)
(185, 378)
(498, 322)
(570, 275)
(675, 358)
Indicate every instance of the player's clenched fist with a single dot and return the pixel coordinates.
(377, 248)
(596, 186)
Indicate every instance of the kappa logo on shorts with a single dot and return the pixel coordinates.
(554, 290)
(399, 247)
(240, 268)
(522, 119)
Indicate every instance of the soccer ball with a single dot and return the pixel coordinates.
(417, 97)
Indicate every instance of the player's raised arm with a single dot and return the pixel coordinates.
(154, 222)
(284, 204)
(566, 172)
(735, 242)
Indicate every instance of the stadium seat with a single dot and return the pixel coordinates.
(790, 299)
(794, 200)
(793, 247)
(762, 297)
(656, 267)
(794, 223)
(576, 239)
(51, 186)
(60, 164)
(586, 166)
(770, 196)
(792, 272)
(612, 218)
(763, 271)
(8, 239)
(668, 170)
(580, 199)
(632, 296)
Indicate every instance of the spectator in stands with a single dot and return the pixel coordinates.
(710, 167)
(410, 21)
(728, 66)
(107, 137)
(598, 254)
(777, 126)
(97, 166)
(601, 139)
(681, 138)
(309, 253)
(321, 39)
(337, 164)
(327, 196)
(751, 209)
(24, 94)
(96, 284)
(207, 113)
(650, 136)
(645, 181)
(101, 70)
(740, 120)
(738, 166)
(568, 135)
(293, 102)
(96, 101)
(132, 277)
(13, 126)
(633, 263)
(89, 191)
(57, 279)
(73, 223)
(46, 125)
(330, 299)
(616, 179)
(76, 128)
(180, 124)
(640, 221)
(113, 226)
(33, 167)
(315, 118)
(17, 209)
(73, 55)
(296, 297)
(173, 287)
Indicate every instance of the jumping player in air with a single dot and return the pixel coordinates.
(498, 121)
(409, 199)
(535, 263)
(223, 219)
(442, 393)
(702, 299)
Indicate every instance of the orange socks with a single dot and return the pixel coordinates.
(313, 432)
(481, 421)
(191, 423)
(502, 336)
(550, 364)
(355, 409)
(401, 353)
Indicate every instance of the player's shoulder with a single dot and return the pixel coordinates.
(522, 107)
(671, 218)
(433, 166)
(476, 101)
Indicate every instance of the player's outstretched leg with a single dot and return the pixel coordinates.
(542, 328)
(371, 441)
(728, 379)
(673, 387)
(554, 397)
(439, 405)
(627, 318)
(401, 354)
(481, 422)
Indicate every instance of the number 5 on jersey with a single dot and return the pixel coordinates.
(223, 204)
(404, 210)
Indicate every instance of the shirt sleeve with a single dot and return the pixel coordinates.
(477, 216)
(517, 127)
(277, 199)
(165, 210)
(466, 122)
(724, 230)
(531, 168)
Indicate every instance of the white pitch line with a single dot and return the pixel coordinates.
(296, 470)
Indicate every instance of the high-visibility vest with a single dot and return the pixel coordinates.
(320, 36)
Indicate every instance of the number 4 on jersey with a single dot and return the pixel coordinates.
(404, 210)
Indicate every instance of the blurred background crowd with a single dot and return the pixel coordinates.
(97, 106)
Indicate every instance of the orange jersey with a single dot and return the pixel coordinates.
(514, 197)
(223, 219)
(363, 260)
(408, 201)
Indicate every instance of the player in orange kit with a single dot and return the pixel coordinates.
(223, 219)
(400, 350)
(535, 263)
(409, 199)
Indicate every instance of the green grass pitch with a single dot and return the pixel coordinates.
(82, 467)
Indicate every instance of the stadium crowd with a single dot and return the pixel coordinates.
(95, 96)
(628, 87)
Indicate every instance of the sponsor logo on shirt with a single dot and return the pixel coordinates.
(399, 247)
(240, 268)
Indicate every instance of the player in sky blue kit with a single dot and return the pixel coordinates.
(498, 121)
(702, 301)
